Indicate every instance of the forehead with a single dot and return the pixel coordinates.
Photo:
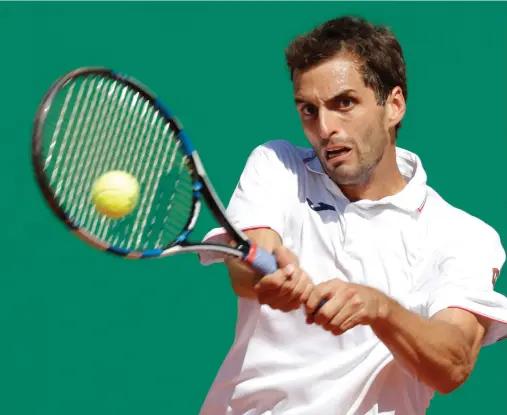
(329, 78)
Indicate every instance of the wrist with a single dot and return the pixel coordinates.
(387, 309)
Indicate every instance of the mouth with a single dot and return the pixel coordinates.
(337, 153)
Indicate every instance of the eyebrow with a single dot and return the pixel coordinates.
(340, 95)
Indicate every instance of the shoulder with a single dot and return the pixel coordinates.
(279, 155)
(282, 151)
(277, 166)
(452, 229)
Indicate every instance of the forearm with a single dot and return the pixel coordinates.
(436, 352)
(243, 279)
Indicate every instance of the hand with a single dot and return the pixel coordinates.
(286, 289)
(348, 305)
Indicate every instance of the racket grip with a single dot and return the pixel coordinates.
(261, 260)
(322, 302)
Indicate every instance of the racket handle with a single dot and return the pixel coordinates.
(322, 302)
(261, 260)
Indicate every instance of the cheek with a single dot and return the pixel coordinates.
(376, 138)
(354, 124)
(311, 132)
(368, 137)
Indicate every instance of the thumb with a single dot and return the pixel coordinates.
(285, 257)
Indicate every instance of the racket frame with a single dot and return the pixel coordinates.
(201, 184)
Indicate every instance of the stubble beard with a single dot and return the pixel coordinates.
(360, 172)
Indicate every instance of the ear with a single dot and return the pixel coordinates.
(395, 107)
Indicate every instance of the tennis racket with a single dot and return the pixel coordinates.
(94, 120)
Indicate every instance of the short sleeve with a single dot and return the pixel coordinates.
(266, 187)
(466, 280)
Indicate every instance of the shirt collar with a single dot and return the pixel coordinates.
(411, 199)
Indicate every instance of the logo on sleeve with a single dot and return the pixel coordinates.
(496, 274)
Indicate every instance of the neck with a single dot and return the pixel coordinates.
(384, 180)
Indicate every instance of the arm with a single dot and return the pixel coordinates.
(286, 289)
(441, 346)
(266, 189)
(440, 351)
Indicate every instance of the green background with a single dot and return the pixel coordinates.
(86, 333)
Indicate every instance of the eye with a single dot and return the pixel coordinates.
(346, 104)
(309, 111)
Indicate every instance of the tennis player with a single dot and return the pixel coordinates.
(409, 278)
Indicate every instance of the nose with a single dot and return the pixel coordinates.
(329, 124)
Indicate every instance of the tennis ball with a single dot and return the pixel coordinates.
(115, 194)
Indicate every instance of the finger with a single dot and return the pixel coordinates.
(340, 296)
(293, 305)
(282, 293)
(306, 293)
(351, 314)
(282, 286)
(302, 289)
(298, 296)
(339, 328)
(284, 305)
(354, 320)
(271, 282)
(327, 312)
(346, 312)
(270, 296)
(293, 277)
(320, 292)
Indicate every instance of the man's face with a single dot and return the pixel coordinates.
(341, 119)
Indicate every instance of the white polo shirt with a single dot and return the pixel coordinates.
(412, 246)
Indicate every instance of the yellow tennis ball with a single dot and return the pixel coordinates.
(115, 194)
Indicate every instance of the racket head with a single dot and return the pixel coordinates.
(105, 86)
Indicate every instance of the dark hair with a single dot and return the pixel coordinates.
(381, 55)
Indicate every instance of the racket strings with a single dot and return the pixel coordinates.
(97, 125)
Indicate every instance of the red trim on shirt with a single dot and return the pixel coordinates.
(496, 274)
(420, 208)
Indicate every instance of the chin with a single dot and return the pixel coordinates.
(348, 176)
(345, 181)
